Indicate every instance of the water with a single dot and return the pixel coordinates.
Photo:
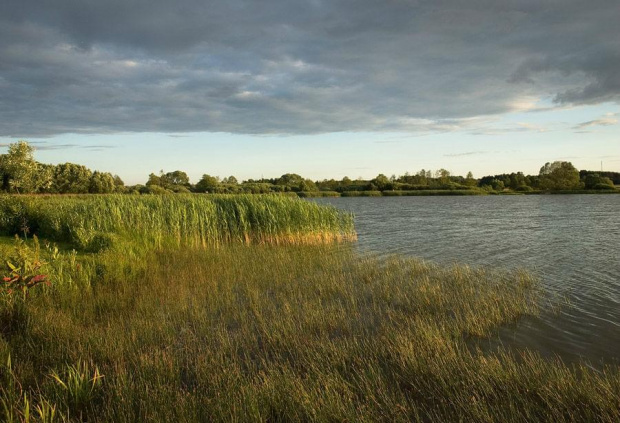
(571, 242)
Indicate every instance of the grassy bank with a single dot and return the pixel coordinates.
(262, 332)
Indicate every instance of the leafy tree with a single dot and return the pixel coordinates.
(119, 185)
(45, 178)
(231, 180)
(470, 181)
(307, 185)
(443, 175)
(177, 177)
(207, 183)
(70, 178)
(559, 176)
(154, 180)
(595, 181)
(381, 182)
(291, 181)
(101, 183)
(19, 169)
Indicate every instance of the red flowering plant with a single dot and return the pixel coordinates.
(24, 269)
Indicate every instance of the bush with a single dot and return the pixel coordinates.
(603, 186)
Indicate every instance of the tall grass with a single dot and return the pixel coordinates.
(191, 220)
(300, 333)
(308, 331)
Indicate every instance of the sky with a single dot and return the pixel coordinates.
(321, 88)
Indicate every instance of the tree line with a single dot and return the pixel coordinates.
(21, 173)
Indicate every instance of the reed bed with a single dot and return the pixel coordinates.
(190, 220)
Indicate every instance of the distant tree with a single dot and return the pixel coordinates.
(101, 183)
(291, 181)
(207, 183)
(177, 177)
(154, 180)
(381, 182)
(497, 185)
(70, 178)
(559, 176)
(119, 185)
(231, 180)
(307, 185)
(45, 178)
(470, 181)
(595, 181)
(443, 176)
(19, 169)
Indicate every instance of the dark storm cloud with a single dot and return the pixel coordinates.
(288, 66)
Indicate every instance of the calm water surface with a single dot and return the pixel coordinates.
(571, 242)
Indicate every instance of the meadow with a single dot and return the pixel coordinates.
(236, 308)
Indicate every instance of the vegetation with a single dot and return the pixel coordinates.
(20, 173)
(138, 319)
(301, 333)
(88, 222)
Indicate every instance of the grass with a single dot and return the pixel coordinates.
(92, 222)
(302, 332)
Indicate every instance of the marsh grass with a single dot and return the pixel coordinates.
(300, 333)
(174, 315)
(92, 223)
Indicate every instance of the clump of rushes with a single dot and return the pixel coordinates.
(189, 220)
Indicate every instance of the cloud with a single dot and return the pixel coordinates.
(605, 121)
(297, 66)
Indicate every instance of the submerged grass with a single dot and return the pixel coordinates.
(270, 333)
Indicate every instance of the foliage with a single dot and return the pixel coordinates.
(101, 183)
(595, 181)
(207, 183)
(70, 178)
(78, 386)
(559, 176)
(293, 334)
(19, 169)
(24, 269)
(182, 219)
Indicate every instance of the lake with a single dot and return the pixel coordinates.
(571, 242)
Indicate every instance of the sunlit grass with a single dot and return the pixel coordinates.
(225, 331)
(91, 222)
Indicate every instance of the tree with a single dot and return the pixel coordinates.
(470, 181)
(443, 175)
(231, 180)
(177, 177)
(381, 182)
(45, 178)
(101, 183)
(70, 178)
(119, 185)
(291, 181)
(559, 176)
(595, 181)
(19, 169)
(207, 183)
(154, 180)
